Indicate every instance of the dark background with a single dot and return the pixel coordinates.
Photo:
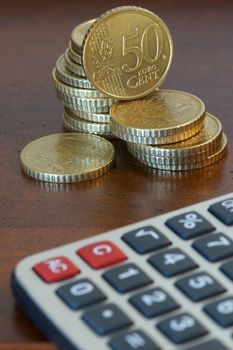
(35, 216)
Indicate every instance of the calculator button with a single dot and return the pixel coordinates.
(101, 254)
(227, 269)
(133, 340)
(210, 344)
(172, 262)
(214, 247)
(126, 278)
(153, 302)
(56, 269)
(80, 293)
(199, 286)
(223, 211)
(189, 225)
(106, 319)
(181, 328)
(145, 239)
(221, 311)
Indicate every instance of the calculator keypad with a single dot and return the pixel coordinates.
(221, 311)
(132, 340)
(181, 328)
(101, 254)
(126, 278)
(56, 269)
(172, 262)
(189, 225)
(153, 302)
(223, 210)
(199, 286)
(211, 344)
(146, 239)
(106, 319)
(80, 294)
(214, 247)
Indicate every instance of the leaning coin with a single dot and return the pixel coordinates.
(127, 52)
(166, 116)
(75, 68)
(67, 158)
(74, 91)
(206, 141)
(92, 117)
(67, 77)
(78, 35)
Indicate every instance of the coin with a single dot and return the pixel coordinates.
(74, 91)
(75, 68)
(92, 117)
(67, 77)
(76, 57)
(205, 142)
(85, 126)
(127, 52)
(67, 158)
(164, 163)
(166, 116)
(78, 35)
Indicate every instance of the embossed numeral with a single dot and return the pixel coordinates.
(142, 52)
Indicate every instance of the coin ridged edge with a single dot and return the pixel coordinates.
(92, 117)
(75, 56)
(74, 67)
(86, 125)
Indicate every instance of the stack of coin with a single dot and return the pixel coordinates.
(169, 130)
(85, 108)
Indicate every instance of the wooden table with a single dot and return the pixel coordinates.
(37, 216)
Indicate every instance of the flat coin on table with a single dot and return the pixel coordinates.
(166, 116)
(127, 52)
(205, 142)
(78, 34)
(66, 158)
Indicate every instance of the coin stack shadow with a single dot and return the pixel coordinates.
(85, 108)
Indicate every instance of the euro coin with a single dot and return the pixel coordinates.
(168, 164)
(79, 124)
(66, 158)
(74, 56)
(78, 34)
(164, 117)
(127, 52)
(92, 117)
(75, 91)
(67, 77)
(75, 68)
(205, 143)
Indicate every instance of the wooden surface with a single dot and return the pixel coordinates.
(37, 216)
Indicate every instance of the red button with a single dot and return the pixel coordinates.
(56, 269)
(101, 254)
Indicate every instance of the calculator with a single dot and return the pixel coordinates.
(163, 283)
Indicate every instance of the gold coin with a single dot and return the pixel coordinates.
(92, 117)
(76, 57)
(75, 68)
(67, 158)
(166, 116)
(67, 77)
(71, 103)
(127, 52)
(78, 34)
(74, 91)
(207, 141)
(80, 124)
(167, 164)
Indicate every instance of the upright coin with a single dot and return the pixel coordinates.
(78, 34)
(127, 52)
(166, 116)
(67, 158)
